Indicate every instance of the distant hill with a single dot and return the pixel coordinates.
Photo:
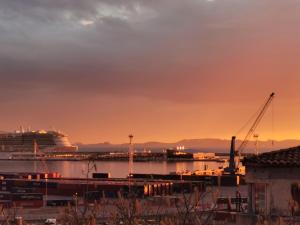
(206, 145)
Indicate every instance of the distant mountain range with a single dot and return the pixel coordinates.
(205, 145)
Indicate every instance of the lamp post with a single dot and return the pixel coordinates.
(75, 196)
(130, 161)
(130, 154)
(256, 143)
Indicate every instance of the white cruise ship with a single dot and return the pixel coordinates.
(25, 141)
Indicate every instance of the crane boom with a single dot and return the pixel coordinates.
(255, 124)
(235, 155)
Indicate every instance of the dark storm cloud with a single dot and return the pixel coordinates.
(171, 49)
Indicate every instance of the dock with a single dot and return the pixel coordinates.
(168, 155)
(30, 189)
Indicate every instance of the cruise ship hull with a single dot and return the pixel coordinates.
(30, 141)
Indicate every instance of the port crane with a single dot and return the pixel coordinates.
(233, 163)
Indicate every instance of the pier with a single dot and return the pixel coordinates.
(168, 155)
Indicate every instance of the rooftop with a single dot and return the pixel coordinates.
(289, 157)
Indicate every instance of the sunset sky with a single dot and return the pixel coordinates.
(163, 70)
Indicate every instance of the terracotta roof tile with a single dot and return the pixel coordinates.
(281, 158)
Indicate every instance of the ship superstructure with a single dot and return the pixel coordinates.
(24, 141)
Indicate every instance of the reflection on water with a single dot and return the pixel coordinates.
(116, 169)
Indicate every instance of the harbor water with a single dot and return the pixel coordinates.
(117, 169)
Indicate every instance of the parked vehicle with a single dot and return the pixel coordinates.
(50, 221)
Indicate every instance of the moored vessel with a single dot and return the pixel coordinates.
(25, 141)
